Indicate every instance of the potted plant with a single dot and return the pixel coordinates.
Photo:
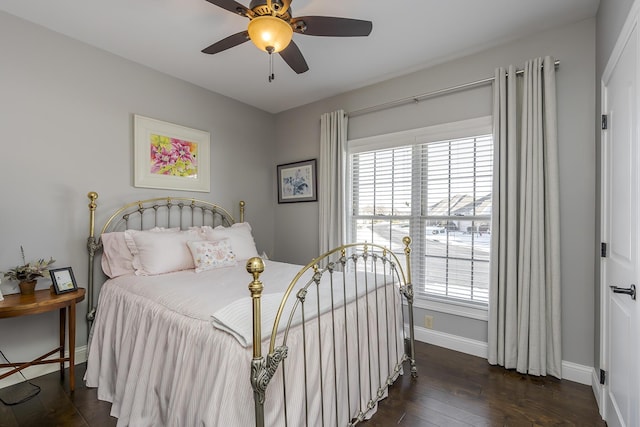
(27, 274)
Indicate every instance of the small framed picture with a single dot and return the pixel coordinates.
(63, 280)
(297, 182)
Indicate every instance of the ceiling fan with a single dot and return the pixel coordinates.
(271, 27)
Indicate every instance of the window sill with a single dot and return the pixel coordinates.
(457, 309)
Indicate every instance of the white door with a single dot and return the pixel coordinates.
(620, 229)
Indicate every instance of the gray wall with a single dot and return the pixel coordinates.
(611, 16)
(66, 119)
(298, 139)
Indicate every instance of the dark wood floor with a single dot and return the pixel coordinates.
(453, 389)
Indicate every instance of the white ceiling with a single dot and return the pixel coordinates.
(168, 35)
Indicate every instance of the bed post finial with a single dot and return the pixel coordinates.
(242, 204)
(407, 252)
(255, 267)
(92, 212)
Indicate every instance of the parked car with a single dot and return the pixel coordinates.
(479, 229)
(449, 225)
(435, 230)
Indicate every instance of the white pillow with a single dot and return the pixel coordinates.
(208, 255)
(240, 238)
(159, 253)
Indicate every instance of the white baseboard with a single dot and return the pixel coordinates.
(570, 371)
(39, 370)
(577, 373)
(452, 342)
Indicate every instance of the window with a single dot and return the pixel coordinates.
(436, 190)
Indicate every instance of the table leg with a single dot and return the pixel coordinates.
(72, 345)
(62, 316)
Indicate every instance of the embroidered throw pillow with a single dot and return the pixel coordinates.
(208, 255)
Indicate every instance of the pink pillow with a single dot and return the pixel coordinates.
(117, 259)
(240, 238)
(159, 253)
(209, 255)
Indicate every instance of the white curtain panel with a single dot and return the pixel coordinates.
(331, 175)
(524, 297)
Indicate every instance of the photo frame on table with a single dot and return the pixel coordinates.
(63, 280)
(297, 182)
(170, 156)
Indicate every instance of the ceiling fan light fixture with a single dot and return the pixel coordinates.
(269, 33)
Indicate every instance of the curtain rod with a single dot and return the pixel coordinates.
(434, 94)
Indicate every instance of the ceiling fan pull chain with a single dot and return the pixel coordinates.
(272, 76)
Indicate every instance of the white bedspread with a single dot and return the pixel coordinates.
(157, 357)
(199, 295)
(236, 318)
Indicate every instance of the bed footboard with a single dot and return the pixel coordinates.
(338, 340)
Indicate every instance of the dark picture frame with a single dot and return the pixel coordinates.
(297, 182)
(63, 280)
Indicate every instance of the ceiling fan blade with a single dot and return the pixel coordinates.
(330, 26)
(231, 6)
(226, 43)
(293, 57)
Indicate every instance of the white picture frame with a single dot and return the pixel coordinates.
(170, 156)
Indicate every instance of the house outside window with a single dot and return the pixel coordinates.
(434, 185)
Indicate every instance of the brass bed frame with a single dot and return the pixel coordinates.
(185, 212)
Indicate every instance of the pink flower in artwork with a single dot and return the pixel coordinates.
(172, 156)
(182, 150)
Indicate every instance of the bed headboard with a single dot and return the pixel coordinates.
(166, 212)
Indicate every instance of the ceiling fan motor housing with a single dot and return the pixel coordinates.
(260, 8)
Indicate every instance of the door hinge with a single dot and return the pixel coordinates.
(603, 249)
(604, 121)
(603, 376)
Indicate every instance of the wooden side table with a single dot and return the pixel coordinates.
(41, 302)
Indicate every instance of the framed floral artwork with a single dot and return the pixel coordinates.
(170, 156)
(297, 182)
